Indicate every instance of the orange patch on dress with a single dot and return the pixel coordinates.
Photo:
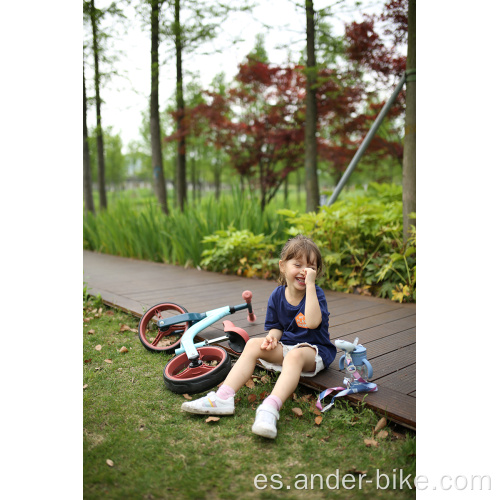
(300, 319)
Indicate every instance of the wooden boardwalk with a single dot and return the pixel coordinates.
(385, 328)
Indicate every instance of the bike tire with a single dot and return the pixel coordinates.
(182, 379)
(146, 328)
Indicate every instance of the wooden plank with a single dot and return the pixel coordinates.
(358, 325)
(390, 343)
(403, 380)
(379, 331)
(393, 361)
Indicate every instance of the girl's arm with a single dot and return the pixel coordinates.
(312, 310)
(271, 340)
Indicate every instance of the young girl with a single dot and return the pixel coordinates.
(297, 342)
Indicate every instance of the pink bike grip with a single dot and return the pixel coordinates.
(247, 296)
(252, 318)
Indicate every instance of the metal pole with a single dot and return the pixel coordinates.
(366, 142)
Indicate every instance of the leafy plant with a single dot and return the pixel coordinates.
(237, 251)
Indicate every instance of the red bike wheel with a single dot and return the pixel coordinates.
(180, 378)
(150, 335)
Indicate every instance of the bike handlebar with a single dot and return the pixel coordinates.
(247, 297)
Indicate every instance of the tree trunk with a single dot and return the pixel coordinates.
(87, 175)
(100, 141)
(181, 144)
(154, 117)
(409, 155)
(193, 178)
(312, 190)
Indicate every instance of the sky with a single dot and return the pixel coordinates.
(127, 99)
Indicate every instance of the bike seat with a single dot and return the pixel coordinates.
(237, 337)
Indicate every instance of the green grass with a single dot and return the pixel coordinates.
(159, 452)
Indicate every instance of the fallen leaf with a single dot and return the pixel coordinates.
(87, 360)
(294, 396)
(382, 434)
(265, 378)
(187, 396)
(86, 320)
(124, 328)
(90, 332)
(263, 395)
(123, 350)
(94, 311)
(98, 347)
(108, 361)
(212, 419)
(250, 384)
(297, 412)
(355, 471)
(110, 313)
(318, 420)
(100, 310)
(85, 386)
(252, 398)
(110, 462)
(371, 442)
(135, 330)
(380, 425)
(316, 411)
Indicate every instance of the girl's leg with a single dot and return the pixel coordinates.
(296, 361)
(222, 402)
(244, 367)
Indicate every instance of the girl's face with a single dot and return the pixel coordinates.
(293, 270)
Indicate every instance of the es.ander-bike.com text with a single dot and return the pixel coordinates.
(398, 480)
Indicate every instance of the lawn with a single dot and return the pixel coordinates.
(137, 444)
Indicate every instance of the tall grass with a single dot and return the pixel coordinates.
(144, 232)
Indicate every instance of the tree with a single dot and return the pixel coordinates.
(259, 123)
(87, 174)
(202, 22)
(409, 158)
(181, 185)
(115, 160)
(367, 48)
(312, 189)
(156, 146)
(95, 16)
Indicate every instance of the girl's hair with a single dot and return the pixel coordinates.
(299, 246)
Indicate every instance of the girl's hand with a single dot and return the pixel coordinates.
(310, 276)
(269, 343)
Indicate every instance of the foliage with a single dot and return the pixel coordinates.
(144, 232)
(242, 251)
(138, 444)
(115, 161)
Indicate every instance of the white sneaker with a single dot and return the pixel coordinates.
(210, 405)
(265, 421)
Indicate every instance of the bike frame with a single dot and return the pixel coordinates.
(202, 321)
